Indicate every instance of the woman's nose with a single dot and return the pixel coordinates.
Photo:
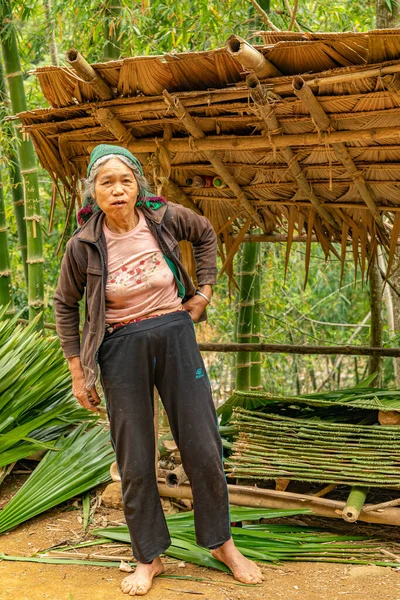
(117, 189)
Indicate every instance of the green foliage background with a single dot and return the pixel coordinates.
(291, 313)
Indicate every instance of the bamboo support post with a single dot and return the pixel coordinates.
(265, 111)
(89, 75)
(194, 130)
(262, 498)
(323, 122)
(250, 58)
(301, 349)
(176, 477)
(354, 503)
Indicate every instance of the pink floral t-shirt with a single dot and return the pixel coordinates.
(139, 283)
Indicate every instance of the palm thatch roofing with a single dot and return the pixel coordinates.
(303, 130)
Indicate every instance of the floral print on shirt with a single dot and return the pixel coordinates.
(125, 276)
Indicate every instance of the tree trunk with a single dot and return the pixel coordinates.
(112, 29)
(387, 18)
(15, 174)
(245, 315)
(376, 335)
(5, 271)
(27, 161)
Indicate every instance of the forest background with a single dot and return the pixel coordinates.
(322, 312)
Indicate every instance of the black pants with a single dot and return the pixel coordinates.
(163, 352)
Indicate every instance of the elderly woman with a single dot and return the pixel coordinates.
(140, 307)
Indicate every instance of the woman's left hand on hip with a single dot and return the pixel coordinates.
(195, 307)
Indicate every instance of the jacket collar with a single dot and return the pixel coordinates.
(92, 230)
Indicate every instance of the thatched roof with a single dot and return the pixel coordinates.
(317, 154)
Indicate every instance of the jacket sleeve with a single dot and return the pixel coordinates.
(70, 290)
(200, 233)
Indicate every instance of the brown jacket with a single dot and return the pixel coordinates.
(84, 266)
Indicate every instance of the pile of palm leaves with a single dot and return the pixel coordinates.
(264, 542)
(350, 400)
(271, 445)
(80, 461)
(36, 402)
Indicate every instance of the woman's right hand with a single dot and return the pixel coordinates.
(88, 399)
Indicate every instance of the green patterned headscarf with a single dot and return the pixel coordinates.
(89, 206)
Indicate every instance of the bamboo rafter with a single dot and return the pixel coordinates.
(194, 130)
(323, 122)
(273, 126)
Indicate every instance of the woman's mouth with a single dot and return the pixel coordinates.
(118, 203)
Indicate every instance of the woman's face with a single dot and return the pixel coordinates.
(116, 189)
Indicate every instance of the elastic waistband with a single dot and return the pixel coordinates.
(147, 324)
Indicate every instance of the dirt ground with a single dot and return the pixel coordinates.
(289, 581)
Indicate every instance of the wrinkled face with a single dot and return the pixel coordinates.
(116, 189)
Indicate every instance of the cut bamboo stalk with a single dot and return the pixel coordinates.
(176, 477)
(88, 74)
(257, 498)
(194, 130)
(299, 349)
(354, 503)
(250, 58)
(323, 122)
(390, 417)
(265, 111)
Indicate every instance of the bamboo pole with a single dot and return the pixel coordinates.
(376, 332)
(107, 119)
(260, 142)
(89, 75)
(255, 369)
(27, 161)
(244, 323)
(354, 503)
(262, 498)
(265, 112)
(17, 189)
(5, 270)
(323, 122)
(298, 349)
(250, 58)
(194, 130)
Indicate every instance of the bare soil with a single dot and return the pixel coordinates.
(289, 581)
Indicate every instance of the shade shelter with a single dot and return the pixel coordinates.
(298, 136)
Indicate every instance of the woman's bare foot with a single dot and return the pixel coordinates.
(139, 583)
(242, 568)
